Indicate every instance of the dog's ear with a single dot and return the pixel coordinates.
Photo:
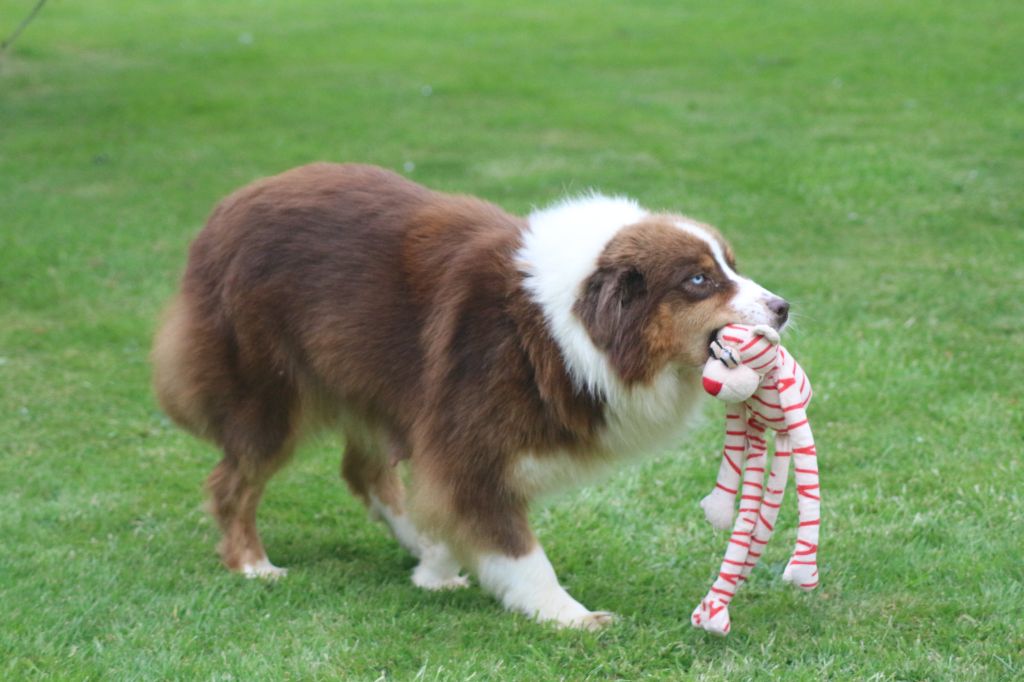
(609, 296)
(612, 307)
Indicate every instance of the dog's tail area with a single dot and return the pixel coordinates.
(189, 372)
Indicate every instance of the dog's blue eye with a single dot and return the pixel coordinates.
(697, 279)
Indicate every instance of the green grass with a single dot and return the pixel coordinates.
(865, 156)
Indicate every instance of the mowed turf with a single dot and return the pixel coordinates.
(866, 157)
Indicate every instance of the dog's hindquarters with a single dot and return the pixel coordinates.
(276, 328)
(250, 412)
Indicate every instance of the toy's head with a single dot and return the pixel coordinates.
(740, 357)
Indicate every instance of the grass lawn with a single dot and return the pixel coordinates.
(865, 156)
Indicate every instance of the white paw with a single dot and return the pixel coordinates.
(718, 509)
(264, 570)
(426, 578)
(592, 620)
(438, 569)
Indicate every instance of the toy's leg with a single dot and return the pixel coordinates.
(774, 491)
(802, 569)
(718, 506)
(712, 614)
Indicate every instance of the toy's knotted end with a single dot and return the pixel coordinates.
(769, 333)
(719, 508)
(712, 615)
(801, 573)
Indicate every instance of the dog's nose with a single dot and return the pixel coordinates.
(780, 307)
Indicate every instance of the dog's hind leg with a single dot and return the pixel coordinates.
(258, 439)
(369, 467)
(239, 402)
(373, 478)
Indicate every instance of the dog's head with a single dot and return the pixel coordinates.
(647, 290)
(661, 290)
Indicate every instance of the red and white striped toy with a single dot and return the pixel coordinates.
(764, 390)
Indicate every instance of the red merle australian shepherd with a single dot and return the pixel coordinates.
(500, 358)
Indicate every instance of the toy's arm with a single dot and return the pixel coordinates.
(802, 569)
(719, 505)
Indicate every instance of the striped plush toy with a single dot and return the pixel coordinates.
(765, 390)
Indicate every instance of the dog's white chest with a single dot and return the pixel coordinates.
(643, 422)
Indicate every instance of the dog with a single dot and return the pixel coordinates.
(499, 358)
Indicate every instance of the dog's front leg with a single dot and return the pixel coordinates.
(485, 523)
(527, 584)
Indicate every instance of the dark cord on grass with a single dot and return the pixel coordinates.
(21, 27)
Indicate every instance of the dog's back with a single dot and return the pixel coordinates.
(265, 278)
